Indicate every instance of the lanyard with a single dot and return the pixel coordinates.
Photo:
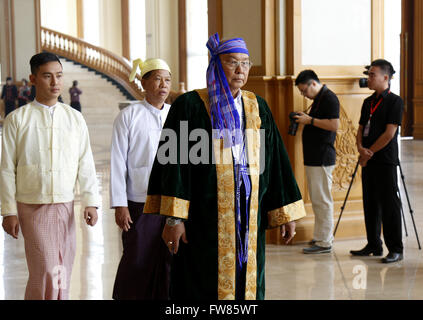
(374, 108)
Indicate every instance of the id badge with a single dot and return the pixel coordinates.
(366, 129)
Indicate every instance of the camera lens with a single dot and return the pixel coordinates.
(363, 83)
(293, 125)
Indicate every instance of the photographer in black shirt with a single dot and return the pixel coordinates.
(381, 114)
(319, 136)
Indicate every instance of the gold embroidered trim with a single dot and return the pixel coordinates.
(225, 224)
(253, 123)
(226, 249)
(291, 212)
(152, 204)
(226, 203)
(167, 206)
(204, 95)
(174, 207)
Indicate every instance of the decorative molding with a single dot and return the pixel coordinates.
(346, 152)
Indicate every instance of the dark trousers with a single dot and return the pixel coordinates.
(9, 106)
(22, 102)
(382, 206)
(144, 270)
(76, 106)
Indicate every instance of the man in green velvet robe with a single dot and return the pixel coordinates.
(221, 202)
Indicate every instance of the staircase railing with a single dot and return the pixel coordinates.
(102, 60)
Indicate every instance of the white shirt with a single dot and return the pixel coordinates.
(236, 150)
(136, 136)
(44, 156)
(51, 109)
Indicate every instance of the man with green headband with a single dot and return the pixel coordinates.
(243, 184)
(143, 272)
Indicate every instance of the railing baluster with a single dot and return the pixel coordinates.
(91, 56)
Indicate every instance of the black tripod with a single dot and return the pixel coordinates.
(399, 195)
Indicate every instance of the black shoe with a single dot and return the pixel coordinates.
(312, 242)
(366, 251)
(393, 257)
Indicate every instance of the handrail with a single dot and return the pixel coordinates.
(102, 60)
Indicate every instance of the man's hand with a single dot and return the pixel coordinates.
(365, 155)
(288, 231)
(303, 118)
(90, 216)
(123, 218)
(171, 236)
(11, 225)
(362, 162)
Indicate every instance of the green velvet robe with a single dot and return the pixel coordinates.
(203, 195)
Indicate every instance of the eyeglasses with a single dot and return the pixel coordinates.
(234, 64)
(303, 92)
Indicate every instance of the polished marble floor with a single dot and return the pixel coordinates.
(289, 273)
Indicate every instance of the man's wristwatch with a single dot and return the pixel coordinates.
(173, 221)
(312, 121)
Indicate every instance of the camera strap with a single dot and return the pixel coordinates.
(324, 88)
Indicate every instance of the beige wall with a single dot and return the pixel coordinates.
(111, 25)
(59, 15)
(22, 29)
(242, 18)
(162, 34)
(170, 37)
(3, 44)
(24, 36)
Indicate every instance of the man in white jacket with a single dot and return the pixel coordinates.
(45, 150)
(143, 272)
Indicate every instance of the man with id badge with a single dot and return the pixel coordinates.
(377, 143)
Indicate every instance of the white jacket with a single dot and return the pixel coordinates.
(43, 155)
(136, 136)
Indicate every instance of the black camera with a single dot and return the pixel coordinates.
(364, 82)
(293, 124)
